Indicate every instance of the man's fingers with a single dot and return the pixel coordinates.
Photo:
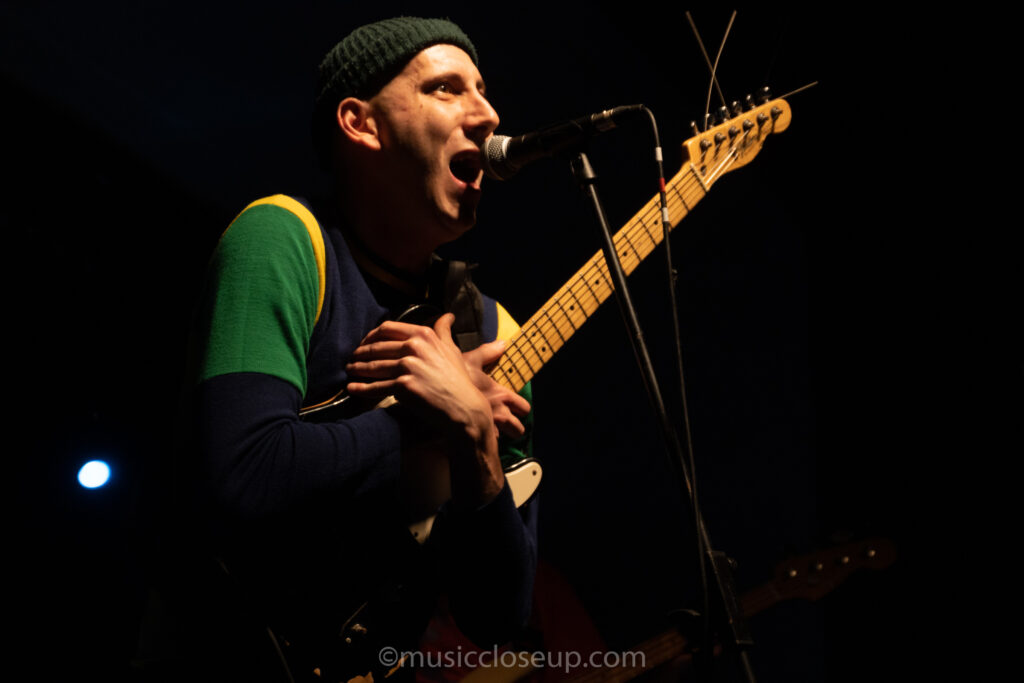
(518, 405)
(380, 350)
(509, 425)
(380, 369)
(391, 330)
(373, 390)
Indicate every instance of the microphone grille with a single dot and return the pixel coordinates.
(493, 157)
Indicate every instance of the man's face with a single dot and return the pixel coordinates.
(433, 118)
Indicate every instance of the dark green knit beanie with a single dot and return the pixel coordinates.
(369, 57)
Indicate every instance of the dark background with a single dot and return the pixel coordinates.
(846, 340)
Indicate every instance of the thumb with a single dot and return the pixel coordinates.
(485, 354)
(443, 326)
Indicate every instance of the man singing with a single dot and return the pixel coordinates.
(311, 517)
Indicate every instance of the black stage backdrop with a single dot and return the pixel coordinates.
(824, 293)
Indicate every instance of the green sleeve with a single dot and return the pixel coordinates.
(260, 301)
(511, 450)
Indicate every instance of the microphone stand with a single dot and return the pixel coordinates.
(730, 619)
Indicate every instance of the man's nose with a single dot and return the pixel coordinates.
(481, 120)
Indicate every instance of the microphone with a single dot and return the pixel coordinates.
(503, 156)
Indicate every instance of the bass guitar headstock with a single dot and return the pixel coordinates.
(812, 576)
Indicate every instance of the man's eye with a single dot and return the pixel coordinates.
(445, 87)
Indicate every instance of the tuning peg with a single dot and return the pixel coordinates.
(749, 101)
(765, 95)
(694, 129)
(747, 125)
(719, 138)
(737, 108)
(723, 114)
(776, 113)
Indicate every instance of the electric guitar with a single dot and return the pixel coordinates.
(709, 156)
(808, 577)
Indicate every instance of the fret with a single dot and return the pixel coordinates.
(547, 349)
(585, 279)
(653, 237)
(626, 263)
(519, 373)
(522, 340)
(501, 375)
(643, 243)
(521, 351)
(599, 280)
(579, 291)
(536, 352)
(547, 314)
(567, 313)
(682, 200)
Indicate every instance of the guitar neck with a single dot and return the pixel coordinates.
(550, 328)
(725, 147)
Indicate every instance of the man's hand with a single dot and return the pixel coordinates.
(424, 369)
(507, 407)
(419, 366)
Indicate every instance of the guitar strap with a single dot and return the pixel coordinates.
(449, 289)
(460, 296)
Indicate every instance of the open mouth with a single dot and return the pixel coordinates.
(466, 167)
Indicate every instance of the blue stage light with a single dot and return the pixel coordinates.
(94, 474)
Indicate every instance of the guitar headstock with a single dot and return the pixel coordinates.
(735, 143)
(812, 576)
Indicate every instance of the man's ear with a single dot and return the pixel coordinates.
(356, 122)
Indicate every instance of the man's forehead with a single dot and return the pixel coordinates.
(442, 58)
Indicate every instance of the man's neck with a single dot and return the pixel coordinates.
(394, 248)
(388, 239)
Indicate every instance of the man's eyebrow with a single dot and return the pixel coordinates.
(452, 75)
